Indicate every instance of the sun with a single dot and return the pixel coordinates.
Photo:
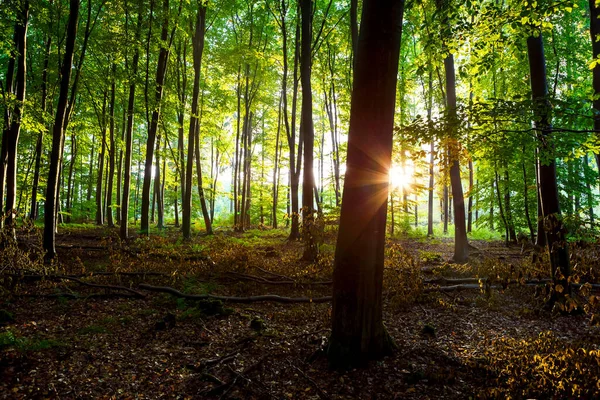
(400, 177)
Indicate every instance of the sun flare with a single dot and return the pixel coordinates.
(400, 177)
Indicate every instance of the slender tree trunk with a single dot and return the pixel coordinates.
(308, 132)
(589, 194)
(500, 207)
(40, 140)
(70, 183)
(161, 72)
(555, 235)
(112, 149)
(129, 132)
(9, 155)
(57, 133)
(358, 333)
(205, 213)
(509, 217)
(275, 189)
(430, 192)
(526, 198)
(99, 205)
(198, 45)
(461, 244)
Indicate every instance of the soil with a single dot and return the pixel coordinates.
(70, 341)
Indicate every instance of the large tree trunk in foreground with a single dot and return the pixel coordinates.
(358, 333)
(57, 133)
(548, 188)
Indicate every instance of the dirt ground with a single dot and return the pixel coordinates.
(66, 338)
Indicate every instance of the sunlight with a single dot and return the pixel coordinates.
(401, 177)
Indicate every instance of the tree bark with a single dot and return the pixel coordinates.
(308, 133)
(198, 46)
(57, 133)
(129, 132)
(548, 187)
(112, 149)
(161, 72)
(15, 116)
(358, 333)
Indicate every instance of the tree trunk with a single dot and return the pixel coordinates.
(70, 181)
(526, 198)
(198, 45)
(15, 116)
(308, 133)
(548, 188)
(205, 213)
(275, 189)
(129, 133)
(99, 205)
(112, 149)
(40, 140)
(57, 133)
(461, 245)
(358, 333)
(161, 72)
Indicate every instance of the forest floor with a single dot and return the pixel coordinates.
(63, 337)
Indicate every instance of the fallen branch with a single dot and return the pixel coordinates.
(250, 299)
(260, 279)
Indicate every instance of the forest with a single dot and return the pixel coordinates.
(302, 199)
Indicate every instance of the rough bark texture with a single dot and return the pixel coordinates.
(358, 333)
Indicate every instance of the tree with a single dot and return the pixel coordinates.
(595, 35)
(161, 72)
(308, 131)
(58, 133)
(555, 231)
(129, 130)
(358, 333)
(14, 115)
(198, 47)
